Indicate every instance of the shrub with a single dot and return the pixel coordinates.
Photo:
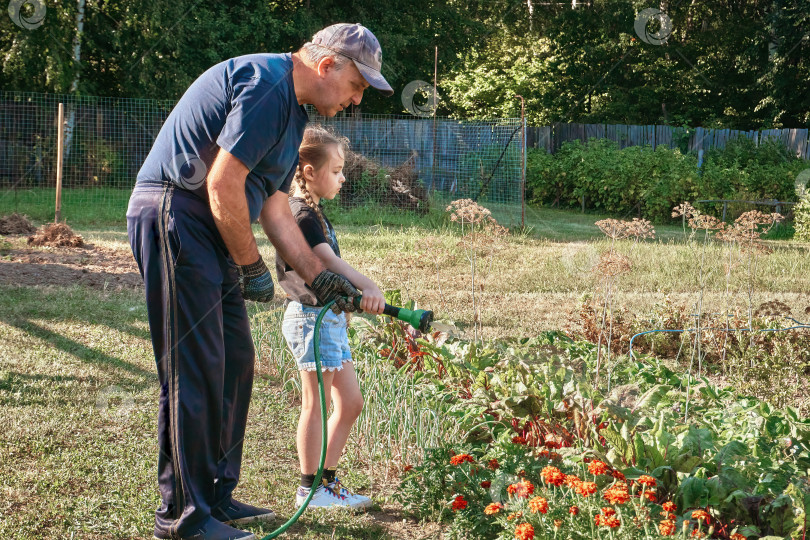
(802, 217)
(637, 180)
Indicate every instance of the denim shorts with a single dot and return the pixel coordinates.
(298, 329)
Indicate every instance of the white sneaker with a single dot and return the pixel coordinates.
(322, 498)
(358, 501)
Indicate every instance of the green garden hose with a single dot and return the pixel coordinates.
(420, 319)
(319, 473)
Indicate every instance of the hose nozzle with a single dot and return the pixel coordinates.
(418, 318)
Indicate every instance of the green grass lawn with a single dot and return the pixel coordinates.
(79, 406)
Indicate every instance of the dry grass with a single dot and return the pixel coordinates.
(532, 284)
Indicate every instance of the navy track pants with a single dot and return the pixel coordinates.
(203, 350)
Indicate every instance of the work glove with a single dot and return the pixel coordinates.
(329, 286)
(255, 281)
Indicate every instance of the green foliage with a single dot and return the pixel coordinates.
(651, 182)
(802, 216)
(744, 171)
(726, 64)
(633, 180)
(588, 65)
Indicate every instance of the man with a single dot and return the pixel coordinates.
(224, 158)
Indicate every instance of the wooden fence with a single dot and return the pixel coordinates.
(696, 139)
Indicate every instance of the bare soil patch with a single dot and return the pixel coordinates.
(56, 235)
(94, 267)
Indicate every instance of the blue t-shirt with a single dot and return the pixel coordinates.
(245, 105)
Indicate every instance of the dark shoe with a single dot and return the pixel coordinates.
(213, 529)
(237, 513)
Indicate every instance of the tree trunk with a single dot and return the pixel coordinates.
(77, 60)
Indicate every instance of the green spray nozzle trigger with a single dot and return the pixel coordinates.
(418, 318)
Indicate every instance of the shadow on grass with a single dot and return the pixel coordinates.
(21, 389)
(84, 353)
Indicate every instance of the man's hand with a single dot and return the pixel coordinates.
(255, 281)
(330, 286)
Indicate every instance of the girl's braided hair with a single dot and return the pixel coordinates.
(314, 151)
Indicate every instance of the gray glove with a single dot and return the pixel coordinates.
(329, 286)
(255, 281)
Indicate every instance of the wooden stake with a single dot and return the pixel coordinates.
(60, 150)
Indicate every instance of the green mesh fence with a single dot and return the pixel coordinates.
(402, 163)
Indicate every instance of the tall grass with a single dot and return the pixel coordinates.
(273, 357)
(400, 419)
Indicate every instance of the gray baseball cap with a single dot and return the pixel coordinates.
(355, 41)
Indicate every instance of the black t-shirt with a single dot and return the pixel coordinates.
(310, 225)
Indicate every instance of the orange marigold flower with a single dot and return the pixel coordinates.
(608, 511)
(571, 481)
(544, 453)
(552, 475)
(698, 534)
(617, 475)
(519, 439)
(617, 494)
(612, 522)
(493, 464)
(557, 523)
(538, 505)
(666, 527)
(493, 508)
(524, 488)
(515, 515)
(461, 458)
(586, 488)
(524, 531)
(485, 484)
(669, 506)
(737, 536)
(607, 521)
(574, 510)
(597, 467)
(701, 515)
(459, 503)
(646, 480)
(650, 496)
(672, 516)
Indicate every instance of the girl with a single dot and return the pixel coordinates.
(319, 176)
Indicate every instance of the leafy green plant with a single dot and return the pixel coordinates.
(521, 403)
(802, 217)
(598, 175)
